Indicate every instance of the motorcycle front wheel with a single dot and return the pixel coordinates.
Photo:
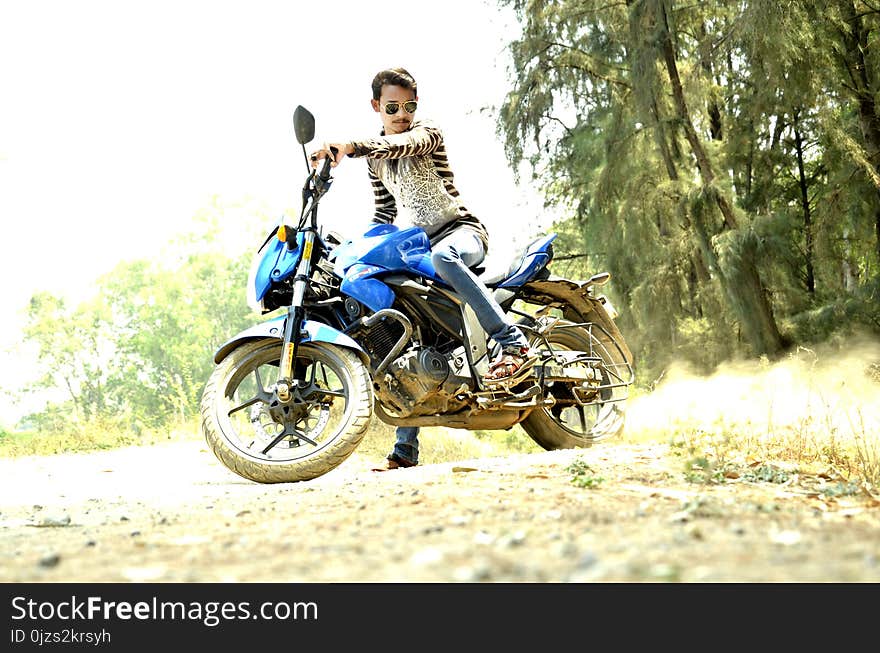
(265, 441)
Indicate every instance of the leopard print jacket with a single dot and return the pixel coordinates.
(413, 184)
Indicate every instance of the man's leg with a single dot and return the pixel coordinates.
(406, 448)
(452, 258)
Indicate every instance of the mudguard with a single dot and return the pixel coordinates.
(312, 332)
(577, 296)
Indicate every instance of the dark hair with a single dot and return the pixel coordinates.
(393, 77)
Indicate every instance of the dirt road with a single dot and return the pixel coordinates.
(172, 513)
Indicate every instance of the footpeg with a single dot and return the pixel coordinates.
(513, 400)
(517, 377)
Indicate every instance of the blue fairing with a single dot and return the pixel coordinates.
(358, 283)
(278, 262)
(388, 247)
(274, 328)
(383, 249)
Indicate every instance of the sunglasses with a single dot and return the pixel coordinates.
(393, 107)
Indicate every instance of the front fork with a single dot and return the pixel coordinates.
(295, 315)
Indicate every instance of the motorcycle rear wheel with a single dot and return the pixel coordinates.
(576, 426)
(271, 444)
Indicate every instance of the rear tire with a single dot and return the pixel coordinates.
(575, 426)
(239, 422)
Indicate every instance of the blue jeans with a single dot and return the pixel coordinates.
(452, 257)
(407, 444)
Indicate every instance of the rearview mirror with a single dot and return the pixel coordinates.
(303, 125)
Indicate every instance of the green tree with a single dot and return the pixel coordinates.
(710, 159)
(167, 322)
(142, 349)
(75, 351)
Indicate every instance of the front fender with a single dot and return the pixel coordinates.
(274, 328)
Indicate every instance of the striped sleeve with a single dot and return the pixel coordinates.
(421, 138)
(385, 206)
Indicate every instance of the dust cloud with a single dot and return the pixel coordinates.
(820, 393)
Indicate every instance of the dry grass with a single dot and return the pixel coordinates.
(93, 435)
(437, 444)
(818, 412)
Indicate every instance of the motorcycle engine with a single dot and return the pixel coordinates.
(422, 381)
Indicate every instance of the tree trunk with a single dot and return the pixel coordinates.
(856, 44)
(740, 280)
(660, 137)
(805, 203)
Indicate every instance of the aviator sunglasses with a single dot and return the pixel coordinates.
(393, 107)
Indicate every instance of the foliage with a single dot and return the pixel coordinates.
(582, 475)
(135, 357)
(721, 160)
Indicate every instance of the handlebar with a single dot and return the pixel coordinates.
(324, 175)
(316, 185)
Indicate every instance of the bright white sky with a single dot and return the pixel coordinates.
(120, 120)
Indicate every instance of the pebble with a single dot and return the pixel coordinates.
(566, 550)
(665, 572)
(52, 521)
(473, 573)
(49, 561)
(512, 539)
(786, 538)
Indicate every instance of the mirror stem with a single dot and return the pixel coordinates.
(306, 157)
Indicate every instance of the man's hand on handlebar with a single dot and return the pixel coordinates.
(334, 151)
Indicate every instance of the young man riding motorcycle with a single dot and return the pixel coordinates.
(413, 185)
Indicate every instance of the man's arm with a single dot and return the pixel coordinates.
(421, 139)
(386, 207)
(424, 138)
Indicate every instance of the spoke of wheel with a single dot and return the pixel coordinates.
(249, 402)
(330, 393)
(278, 438)
(260, 389)
(261, 395)
(302, 436)
(580, 410)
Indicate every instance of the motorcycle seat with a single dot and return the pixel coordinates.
(498, 266)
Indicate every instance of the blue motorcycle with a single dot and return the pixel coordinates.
(365, 327)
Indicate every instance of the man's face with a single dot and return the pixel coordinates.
(400, 121)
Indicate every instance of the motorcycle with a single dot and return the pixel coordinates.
(366, 327)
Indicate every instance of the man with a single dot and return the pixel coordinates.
(413, 185)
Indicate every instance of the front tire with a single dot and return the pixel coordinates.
(267, 443)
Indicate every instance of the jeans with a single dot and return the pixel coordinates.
(452, 257)
(407, 444)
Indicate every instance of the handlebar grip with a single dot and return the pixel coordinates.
(325, 170)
